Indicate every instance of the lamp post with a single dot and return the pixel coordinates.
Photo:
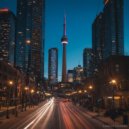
(91, 89)
(32, 92)
(10, 83)
(16, 98)
(26, 90)
(114, 83)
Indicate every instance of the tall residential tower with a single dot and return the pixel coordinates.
(30, 37)
(53, 66)
(98, 38)
(114, 27)
(7, 35)
(87, 58)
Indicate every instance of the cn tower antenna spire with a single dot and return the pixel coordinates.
(65, 24)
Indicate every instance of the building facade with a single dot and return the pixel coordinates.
(108, 31)
(53, 66)
(21, 33)
(113, 68)
(37, 44)
(9, 73)
(70, 76)
(7, 36)
(87, 58)
(30, 37)
(114, 27)
(78, 74)
(98, 38)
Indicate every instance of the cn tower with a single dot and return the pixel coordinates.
(64, 41)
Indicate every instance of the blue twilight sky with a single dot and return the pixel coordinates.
(80, 16)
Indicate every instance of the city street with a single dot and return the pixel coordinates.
(54, 114)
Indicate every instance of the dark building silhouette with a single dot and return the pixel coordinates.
(64, 41)
(21, 33)
(7, 35)
(113, 68)
(108, 32)
(53, 66)
(37, 39)
(87, 58)
(114, 27)
(98, 38)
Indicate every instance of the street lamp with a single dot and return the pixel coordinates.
(28, 42)
(85, 91)
(80, 91)
(114, 83)
(10, 83)
(26, 89)
(90, 87)
(32, 91)
(32, 97)
(92, 97)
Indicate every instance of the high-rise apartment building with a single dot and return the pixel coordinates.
(7, 35)
(37, 42)
(87, 58)
(108, 31)
(114, 27)
(53, 66)
(21, 33)
(98, 38)
(30, 37)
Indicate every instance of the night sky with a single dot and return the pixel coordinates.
(80, 16)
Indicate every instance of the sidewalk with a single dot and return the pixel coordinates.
(21, 115)
(108, 122)
(11, 109)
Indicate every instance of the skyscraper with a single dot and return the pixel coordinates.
(98, 38)
(30, 37)
(64, 41)
(7, 35)
(37, 41)
(28, 34)
(21, 33)
(108, 31)
(53, 66)
(87, 57)
(113, 27)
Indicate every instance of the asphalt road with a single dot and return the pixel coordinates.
(54, 114)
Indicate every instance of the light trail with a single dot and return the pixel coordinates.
(32, 116)
(40, 114)
(29, 118)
